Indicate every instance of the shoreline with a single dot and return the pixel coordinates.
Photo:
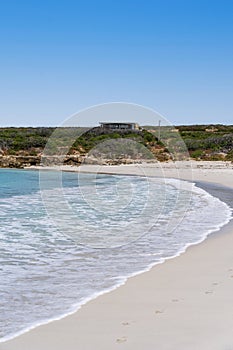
(183, 170)
(32, 339)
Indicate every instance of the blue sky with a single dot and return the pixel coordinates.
(57, 57)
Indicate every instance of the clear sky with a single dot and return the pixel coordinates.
(59, 56)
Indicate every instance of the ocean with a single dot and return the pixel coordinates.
(63, 243)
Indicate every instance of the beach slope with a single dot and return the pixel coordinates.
(184, 303)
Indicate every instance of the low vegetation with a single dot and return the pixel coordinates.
(202, 142)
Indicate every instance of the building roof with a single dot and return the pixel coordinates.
(118, 123)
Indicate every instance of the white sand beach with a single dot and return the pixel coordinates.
(184, 303)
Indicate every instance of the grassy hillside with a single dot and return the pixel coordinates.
(213, 142)
(203, 142)
(206, 142)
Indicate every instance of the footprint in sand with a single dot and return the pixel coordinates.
(215, 283)
(125, 323)
(175, 300)
(208, 292)
(121, 340)
(158, 311)
(230, 270)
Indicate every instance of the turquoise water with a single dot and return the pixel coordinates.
(60, 247)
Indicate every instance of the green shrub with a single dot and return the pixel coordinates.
(197, 154)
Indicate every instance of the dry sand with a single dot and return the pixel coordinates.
(184, 303)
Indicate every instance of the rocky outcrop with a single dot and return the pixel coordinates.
(12, 161)
(21, 162)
